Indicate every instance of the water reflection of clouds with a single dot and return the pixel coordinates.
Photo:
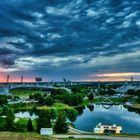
(121, 116)
(132, 118)
(26, 115)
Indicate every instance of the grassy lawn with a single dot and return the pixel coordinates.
(96, 100)
(119, 100)
(80, 139)
(57, 106)
(25, 92)
(23, 123)
(22, 136)
(23, 106)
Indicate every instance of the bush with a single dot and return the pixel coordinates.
(72, 114)
(49, 101)
(10, 120)
(91, 96)
(3, 100)
(53, 113)
(44, 120)
(19, 127)
(30, 125)
(2, 124)
(5, 109)
(131, 92)
(61, 125)
(58, 92)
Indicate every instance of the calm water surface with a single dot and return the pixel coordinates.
(130, 121)
(26, 114)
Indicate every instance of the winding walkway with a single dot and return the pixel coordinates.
(76, 131)
(88, 135)
(96, 137)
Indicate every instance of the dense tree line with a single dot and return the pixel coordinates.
(72, 99)
(107, 91)
(61, 126)
(133, 92)
(4, 99)
(42, 100)
(8, 122)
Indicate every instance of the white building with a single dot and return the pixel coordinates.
(46, 131)
(101, 129)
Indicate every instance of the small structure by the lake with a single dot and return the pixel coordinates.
(101, 129)
(46, 131)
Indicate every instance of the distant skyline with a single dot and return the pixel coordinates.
(80, 40)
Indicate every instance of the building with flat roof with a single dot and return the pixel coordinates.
(46, 131)
(101, 129)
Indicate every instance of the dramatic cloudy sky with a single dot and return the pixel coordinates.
(75, 39)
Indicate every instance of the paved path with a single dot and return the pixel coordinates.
(76, 131)
(96, 137)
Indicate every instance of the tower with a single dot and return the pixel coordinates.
(8, 77)
(99, 85)
(21, 79)
(132, 81)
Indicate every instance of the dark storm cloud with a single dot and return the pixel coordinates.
(92, 30)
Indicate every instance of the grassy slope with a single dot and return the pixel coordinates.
(25, 92)
(28, 136)
(22, 136)
(79, 139)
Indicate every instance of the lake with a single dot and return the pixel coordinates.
(26, 114)
(90, 116)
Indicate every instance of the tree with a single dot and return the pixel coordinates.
(72, 114)
(5, 110)
(49, 101)
(74, 100)
(91, 96)
(20, 127)
(80, 98)
(0, 111)
(39, 97)
(138, 92)
(80, 109)
(58, 91)
(91, 107)
(30, 125)
(3, 100)
(53, 113)
(131, 92)
(44, 120)
(10, 120)
(61, 125)
(138, 100)
(41, 100)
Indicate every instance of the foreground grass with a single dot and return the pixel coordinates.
(22, 136)
(79, 139)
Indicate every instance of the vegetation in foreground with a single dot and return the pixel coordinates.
(57, 104)
(30, 136)
(22, 136)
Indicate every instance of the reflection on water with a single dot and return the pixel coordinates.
(92, 115)
(26, 114)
